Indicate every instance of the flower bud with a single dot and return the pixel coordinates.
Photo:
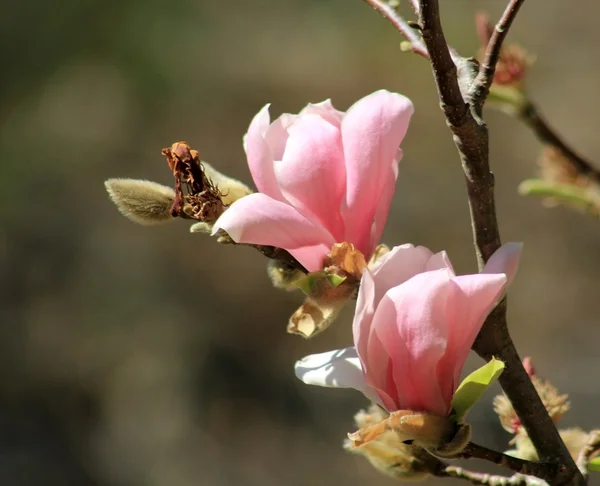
(144, 202)
(283, 275)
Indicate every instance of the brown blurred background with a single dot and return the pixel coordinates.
(137, 356)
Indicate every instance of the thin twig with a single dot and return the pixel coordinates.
(518, 465)
(592, 447)
(401, 25)
(485, 77)
(530, 115)
(490, 479)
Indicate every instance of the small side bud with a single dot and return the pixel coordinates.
(144, 202)
(283, 275)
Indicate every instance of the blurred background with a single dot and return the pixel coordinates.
(150, 356)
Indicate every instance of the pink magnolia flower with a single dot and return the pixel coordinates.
(323, 176)
(414, 326)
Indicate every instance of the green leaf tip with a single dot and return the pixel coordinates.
(594, 464)
(474, 386)
(308, 282)
(335, 280)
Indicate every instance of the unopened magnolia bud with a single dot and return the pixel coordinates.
(387, 453)
(231, 189)
(283, 275)
(141, 201)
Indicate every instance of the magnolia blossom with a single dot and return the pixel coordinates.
(414, 325)
(323, 176)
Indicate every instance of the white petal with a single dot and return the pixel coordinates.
(339, 369)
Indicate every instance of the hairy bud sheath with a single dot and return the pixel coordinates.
(141, 201)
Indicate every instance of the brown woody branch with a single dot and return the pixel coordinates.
(485, 77)
(518, 465)
(471, 138)
(444, 69)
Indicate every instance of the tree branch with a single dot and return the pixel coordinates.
(485, 77)
(401, 25)
(444, 69)
(518, 465)
(471, 138)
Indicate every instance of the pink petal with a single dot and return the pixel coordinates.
(438, 261)
(371, 131)
(363, 314)
(397, 266)
(277, 134)
(261, 220)
(505, 260)
(361, 330)
(311, 257)
(383, 208)
(260, 156)
(312, 175)
(471, 300)
(325, 110)
(410, 323)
